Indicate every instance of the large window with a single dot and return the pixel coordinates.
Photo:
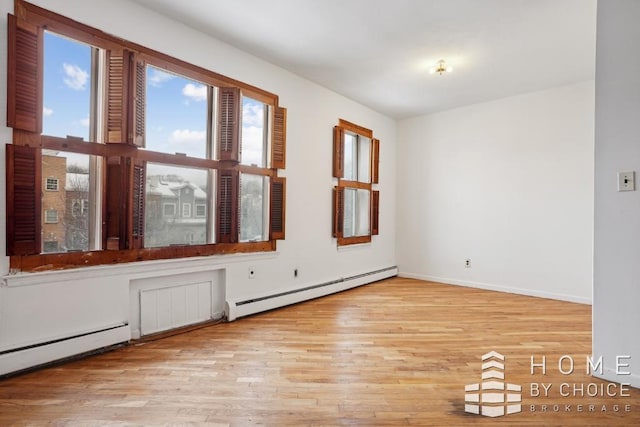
(140, 155)
(355, 201)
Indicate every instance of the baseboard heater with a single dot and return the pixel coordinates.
(33, 355)
(237, 309)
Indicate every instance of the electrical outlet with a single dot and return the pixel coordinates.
(252, 272)
(467, 263)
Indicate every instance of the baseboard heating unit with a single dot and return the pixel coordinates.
(237, 309)
(29, 356)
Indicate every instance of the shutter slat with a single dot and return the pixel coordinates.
(23, 200)
(138, 202)
(227, 203)
(116, 97)
(338, 152)
(229, 120)
(279, 140)
(24, 76)
(140, 103)
(277, 209)
(338, 212)
(375, 212)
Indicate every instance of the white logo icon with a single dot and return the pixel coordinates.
(493, 397)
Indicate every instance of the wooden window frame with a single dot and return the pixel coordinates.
(342, 184)
(122, 136)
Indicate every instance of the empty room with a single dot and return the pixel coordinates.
(319, 213)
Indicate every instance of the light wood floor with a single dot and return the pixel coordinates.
(397, 352)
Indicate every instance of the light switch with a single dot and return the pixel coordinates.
(626, 181)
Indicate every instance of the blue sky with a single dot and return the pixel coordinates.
(176, 107)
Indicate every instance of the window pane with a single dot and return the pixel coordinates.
(253, 207)
(254, 135)
(350, 157)
(356, 212)
(171, 194)
(364, 159)
(176, 116)
(65, 201)
(67, 87)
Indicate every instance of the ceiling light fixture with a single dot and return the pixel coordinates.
(441, 68)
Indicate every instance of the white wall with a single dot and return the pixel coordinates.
(507, 184)
(616, 317)
(309, 247)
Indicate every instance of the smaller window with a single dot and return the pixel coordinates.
(52, 184)
(51, 216)
(186, 210)
(169, 209)
(201, 211)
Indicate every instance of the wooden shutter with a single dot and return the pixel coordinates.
(277, 208)
(338, 212)
(375, 212)
(116, 89)
(375, 160)
(139, 86)
(138, 204)
(227, 204)
(279, 140)
(229, 121)
(338, 152)
(24, 200)
(24, 76)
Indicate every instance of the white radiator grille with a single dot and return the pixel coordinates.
(172, 307)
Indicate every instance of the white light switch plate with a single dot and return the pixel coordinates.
(626, 181)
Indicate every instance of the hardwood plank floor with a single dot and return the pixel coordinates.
(397, 352)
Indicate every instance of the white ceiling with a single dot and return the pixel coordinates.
(378, 52)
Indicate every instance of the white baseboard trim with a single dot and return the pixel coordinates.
(491, 287)
(14, 361)
(237, 309)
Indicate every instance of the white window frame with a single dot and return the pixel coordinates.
(186, 210)
(203, 206)
(55, 183)
(48, 220)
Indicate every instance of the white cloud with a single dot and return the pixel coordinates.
(85, 122)
(195, 92)
(180, 136)
(47, 111)
(253, 115)
(157, 77)
(252, 145)
(76, 78)
(189, 142)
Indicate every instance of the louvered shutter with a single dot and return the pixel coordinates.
(375, 160)
(138, 205)
(279, 140)
(24, 76)
(24, 200)
(277, 208)
(227, 204)
(116, 86)
(338, 152)
(139, 102)
(338, 212)
(375, 212)
(229, 121)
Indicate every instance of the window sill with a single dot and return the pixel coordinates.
(135, 270)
